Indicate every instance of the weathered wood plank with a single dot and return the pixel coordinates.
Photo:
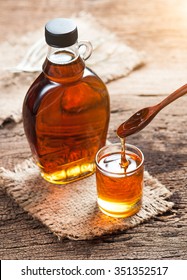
(162, 237)
(159, 31)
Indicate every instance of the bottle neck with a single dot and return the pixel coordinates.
(63, 56)
(64, 64)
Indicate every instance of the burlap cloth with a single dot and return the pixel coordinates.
(71, 210)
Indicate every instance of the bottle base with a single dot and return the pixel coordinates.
(66, 176)
(119, 210)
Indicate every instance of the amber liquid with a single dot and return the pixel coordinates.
(124, 162)
(66, 116)
(119, 189)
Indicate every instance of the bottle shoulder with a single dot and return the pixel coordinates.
(38, 89)
(88, 72)
(89, 89)
(44, 83)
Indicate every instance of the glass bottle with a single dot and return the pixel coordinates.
(66, 110)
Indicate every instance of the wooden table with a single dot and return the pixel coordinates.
(159, 29)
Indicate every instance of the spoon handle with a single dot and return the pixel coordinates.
(173, 96)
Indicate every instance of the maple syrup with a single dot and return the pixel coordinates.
(119, 188)
(66, 110)
(124, 162)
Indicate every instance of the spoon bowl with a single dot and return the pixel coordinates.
(144, 116)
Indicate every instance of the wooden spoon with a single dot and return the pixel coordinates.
(144, 116)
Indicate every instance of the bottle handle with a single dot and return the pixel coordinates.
(85, 49)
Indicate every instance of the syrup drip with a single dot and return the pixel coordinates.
(124, 162)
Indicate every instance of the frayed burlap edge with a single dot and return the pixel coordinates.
(70, 211)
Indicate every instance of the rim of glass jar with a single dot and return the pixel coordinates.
(115, 173)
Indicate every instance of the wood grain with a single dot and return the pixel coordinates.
(157, 28)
